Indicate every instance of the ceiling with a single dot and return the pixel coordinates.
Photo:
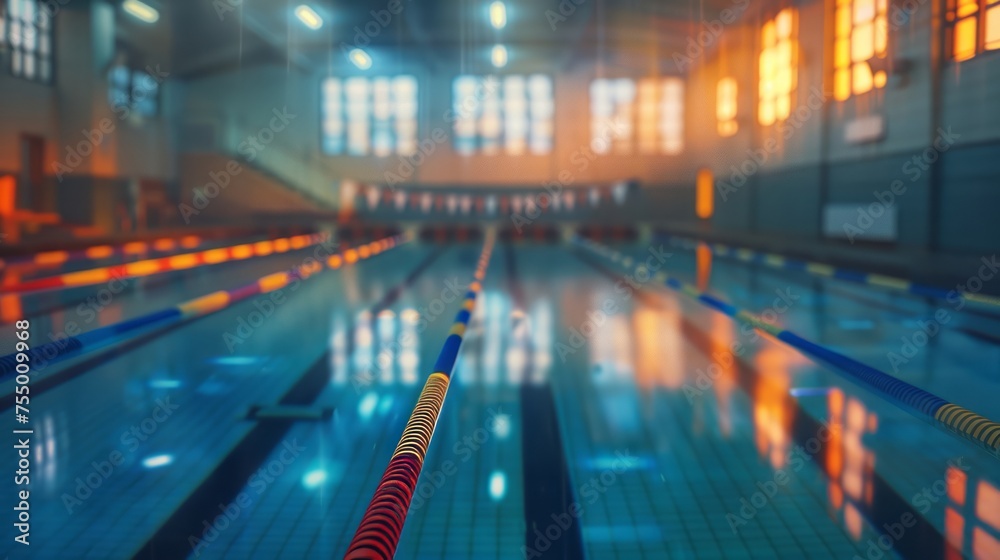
(219, 35)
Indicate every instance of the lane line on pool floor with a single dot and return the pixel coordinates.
(548, 485)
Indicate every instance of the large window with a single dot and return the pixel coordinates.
(862, 37)
(26, 39)
(725, 107)
(650, 114)
(973, 26)
(778, 67)
(134, 89)
(363, 116)
(512, 114)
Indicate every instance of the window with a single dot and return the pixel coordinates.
(778, 67)
(513, 113)
(972, 27)
(26, 34)
(725, 107)
(651, 113)
(862, 37)
(612, 113)
(134, 89)
(363, 116)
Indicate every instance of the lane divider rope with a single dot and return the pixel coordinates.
(775, 260)
(959, 420)
(378, 533)
(52, 258)
(149, 267)
(63, 348)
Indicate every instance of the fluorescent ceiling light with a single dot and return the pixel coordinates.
(360, 59)
(141, 11)
(499, 56)
(308, 16)
(498, 15)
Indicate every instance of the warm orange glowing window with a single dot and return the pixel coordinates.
(725, 106)
(991, 36)
(973, 27)
(704, 194)
(778, 67)
(862, 38)
(650, 112)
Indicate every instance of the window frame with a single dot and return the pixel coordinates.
(7, 48)
(126, 59)
(726, 122)
(637, 141)
(793, 38)
(345, 149)
(950, 21)
(503, 148)
(879, 72)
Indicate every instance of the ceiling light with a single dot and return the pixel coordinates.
(309, 17)
(498, 15)
(360, 59)
(499, 56)
(141, 11)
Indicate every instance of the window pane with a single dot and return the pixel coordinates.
(965, 39)
(363, 116)
(512, 114)
(778, 68)
(862, 42)
(862, 77)
(992, 28)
